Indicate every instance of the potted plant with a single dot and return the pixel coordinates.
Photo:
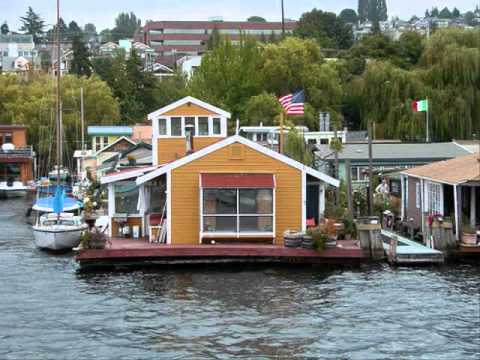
(131, 160)
(319, 237)
(469, 234)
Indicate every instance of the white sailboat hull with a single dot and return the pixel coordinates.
(16, 189)
(58, 237)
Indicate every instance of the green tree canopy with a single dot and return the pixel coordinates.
(74, 31)
(256, 19)
(90, 32)
(326, 28)
(80, 63)
(125, 26)
(4, 29)
(32, 24)
(263, 108)
(348, 16)
(63, 29)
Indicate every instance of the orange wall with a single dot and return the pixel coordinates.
(185, 191)
(189, 110)
(170, 149)
(19, 136)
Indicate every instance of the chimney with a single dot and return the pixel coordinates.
(189, 130)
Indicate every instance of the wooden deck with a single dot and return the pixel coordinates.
(123, 252)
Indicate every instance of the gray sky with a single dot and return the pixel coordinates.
(103, 12)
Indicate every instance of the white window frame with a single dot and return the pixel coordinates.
(237, 234)
(433, 198)
(223, 126)
(418, 200)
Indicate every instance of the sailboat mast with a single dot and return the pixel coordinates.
(59, 111)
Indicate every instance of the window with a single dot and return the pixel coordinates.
(8, 138)
(97, 142)
(176, 126)
(238, 210)
(354, 173)
(203, 126)
(216, 126)
(434, 198)
(126, 197)
(190, 125)
(417, 195)
(105, 141)
(162, 126)
(324, 141)
(9, 172)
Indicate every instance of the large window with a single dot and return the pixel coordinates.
(10, 172)
(434, 198)
(190, 125)
(126, 197)
(162, 126)
(203, 126)
(216, 126)
(237, 211)
(200, 125)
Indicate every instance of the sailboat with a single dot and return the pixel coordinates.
(57, 229)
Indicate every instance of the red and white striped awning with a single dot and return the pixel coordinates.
(257, 181)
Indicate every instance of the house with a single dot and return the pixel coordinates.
(268, 135)
(449, 188)
(16, 157)
(142, 133)
(189, 64)
(205, 186)
(102, 136)
(387, 157)
(17, 53)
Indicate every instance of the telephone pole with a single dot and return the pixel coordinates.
(283, 20)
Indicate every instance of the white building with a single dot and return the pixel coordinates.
(15, 51)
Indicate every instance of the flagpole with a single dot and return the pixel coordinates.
(280, 147)
(428, 120)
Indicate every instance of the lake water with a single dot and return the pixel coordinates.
(50, 311)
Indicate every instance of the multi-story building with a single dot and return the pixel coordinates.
(17, 53)
(175, 39)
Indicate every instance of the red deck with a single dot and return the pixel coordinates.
(140, 251)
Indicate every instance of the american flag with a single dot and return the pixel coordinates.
(293, 103)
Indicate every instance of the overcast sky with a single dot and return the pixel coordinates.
(103, 12)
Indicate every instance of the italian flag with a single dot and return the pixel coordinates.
(420, 105)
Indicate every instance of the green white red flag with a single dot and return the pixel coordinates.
(420, 105)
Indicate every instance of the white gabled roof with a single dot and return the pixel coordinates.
(125, 174)
(113, 143)
(185, 100)
(238, 139)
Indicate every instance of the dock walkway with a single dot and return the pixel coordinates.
(123, 252)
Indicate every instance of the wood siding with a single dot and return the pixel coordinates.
(185, 217)
(170, 149)
(412, 211)
(189, 110)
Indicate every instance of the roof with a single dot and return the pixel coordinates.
(469, 145)
(395, 151)
(125, 174)
(453, 172)
(123, 138)
(238, 139)
(267, 129)
(186, 100)
(16, 38)
(142, 133)
(12, 127)
(99, 130)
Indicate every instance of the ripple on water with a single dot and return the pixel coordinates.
(50, 311)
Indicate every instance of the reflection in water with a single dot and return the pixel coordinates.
(51, 311)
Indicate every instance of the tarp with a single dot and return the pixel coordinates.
(46, 204)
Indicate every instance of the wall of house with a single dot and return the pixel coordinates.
(185, 192)
(170, 149)
(189, 110)
(412, 211)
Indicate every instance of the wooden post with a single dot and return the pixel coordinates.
(82, 118)
(349, 187)
(457, 217)
(473, 206)
(335, 152)
(370, 170)
(427, 114)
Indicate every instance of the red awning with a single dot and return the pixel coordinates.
(237, 181)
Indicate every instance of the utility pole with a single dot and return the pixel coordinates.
(82, 118)
(370, 170)
(283, 20)
(428, 120)
(335, 152)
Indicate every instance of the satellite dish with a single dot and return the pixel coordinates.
(8, 147)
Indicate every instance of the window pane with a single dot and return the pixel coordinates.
(176, 126)
(8, 138)
(157, 195)
(256, 224)
(256, 201)
(217, 129)
(9, 172)
(203, 126)
(162, 126)
(105, 141)
(220, 201)
(126, 197)
(219, 224)
(190, 125)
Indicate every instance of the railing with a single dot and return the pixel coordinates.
(18, 152)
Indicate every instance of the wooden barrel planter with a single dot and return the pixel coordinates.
(292, 239)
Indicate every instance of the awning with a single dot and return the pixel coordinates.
(237, 181)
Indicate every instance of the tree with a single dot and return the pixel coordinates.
(106, 35)
(348, 16)
(125, 26)
(363, 10)
(263, 108)
(80, 65)
(469, 16)
(63, 30)
(434, 12)
(4, 30)
(455, 13)
(90, 32)
(445, 13)
(296, 148)
(32, 24)
(256, 19)
(409, 49)
(214, 39)
(74, 31)
(372, 10)
(326, 28)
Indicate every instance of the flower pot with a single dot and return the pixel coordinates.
(469, 238)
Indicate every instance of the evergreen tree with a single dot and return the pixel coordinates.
(214, 39)
(256, 19)
(445, 13)
(349, 16)
(125, 26)
(63, 29)
(455, 13)
(434, 12)
(372, 10)
(74, 31)
(90, 32)
(4, 28)
(363, 10)
(32, 24)
(81, 65)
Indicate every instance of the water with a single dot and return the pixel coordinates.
(50, 311)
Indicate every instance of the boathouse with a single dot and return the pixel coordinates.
(449, 188)
(205, 186)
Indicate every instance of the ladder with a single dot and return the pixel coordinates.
(161, 237)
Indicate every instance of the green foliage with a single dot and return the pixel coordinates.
(256, 19)
(90, 32)
(125, 26)
(372, 10)
(80, 65)
(263, 108)
(214, 39)
(445, 13)
(32, 103)
(319, 237)
(326, 28)
(296, 148)
(4, 29)
(32, 24)
(349, 16)
(74, 31)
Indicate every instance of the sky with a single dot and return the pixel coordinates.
(103, 12)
